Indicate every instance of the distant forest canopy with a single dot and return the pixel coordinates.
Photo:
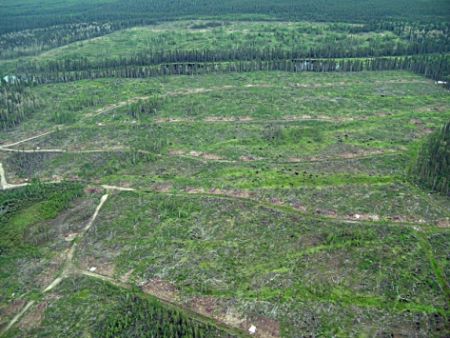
(24, 14)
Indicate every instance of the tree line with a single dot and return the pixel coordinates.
(155, 57)
(33, 41)
(432, 168)
(16, 104)
(436, 67)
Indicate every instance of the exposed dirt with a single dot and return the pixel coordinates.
(397, 218)
(250, 158)
(276, 201)
(4, 184)
(443, 223)
(363, 217)
(416, 122)
(34, 317)
(48, 275)
(220, 119)
(207, 306)
(114, 187)
(161, 289)
(326, 212)
(215, 308)
(162, 187)
(258, 85)
(171, 120)
(350, 155)
(101, 266)
(206, 156)
(11, 308)
(265, 327)
(126, 277)
(174, 152)
(27, 139)
(18, 316)
(232, 193)
(298, 206)
(70, 236)
(191, 190)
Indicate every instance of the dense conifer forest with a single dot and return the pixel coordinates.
(51, 12)
(432, 168)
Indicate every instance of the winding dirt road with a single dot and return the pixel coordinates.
(4, 185)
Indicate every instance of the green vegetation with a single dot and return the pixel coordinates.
(137, 317)
(433, 163)
(18, 15)
(251, 40)
(223, 170)
(271, 197)
(29, 245)
(267, 260)
(31, 205)
(82, 306)
(16, 104)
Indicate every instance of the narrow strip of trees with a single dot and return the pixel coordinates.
(432, 168)
(16, 104)
(436, 67)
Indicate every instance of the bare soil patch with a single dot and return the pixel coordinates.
(162, 187)
(326, 212)
(232, 193)
(205, 156)
(443, 223)
(161, 289)
(33, 318)
(126, 277)
(175, 152)
(191, 190)
(298, 206)
(265, 327)
(100, 267)
(12, 308)
(249, 158)
(362, 217)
